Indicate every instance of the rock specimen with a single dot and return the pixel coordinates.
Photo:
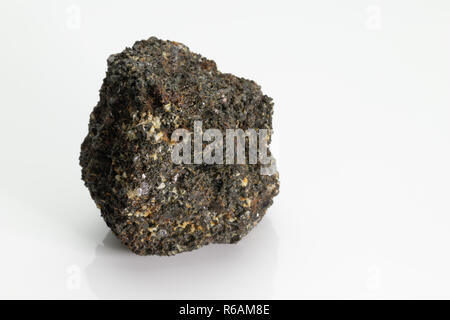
(153, 205)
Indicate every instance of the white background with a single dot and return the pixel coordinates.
(362, 137)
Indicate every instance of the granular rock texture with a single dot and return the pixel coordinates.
(153, 205)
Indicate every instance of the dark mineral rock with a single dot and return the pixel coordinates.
(153, 205)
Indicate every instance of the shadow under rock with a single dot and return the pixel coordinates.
(243, 270)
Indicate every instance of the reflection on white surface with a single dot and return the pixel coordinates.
(242, 270)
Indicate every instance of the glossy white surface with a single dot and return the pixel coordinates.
(362, 137)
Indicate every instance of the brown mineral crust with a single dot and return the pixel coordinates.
(151, 204)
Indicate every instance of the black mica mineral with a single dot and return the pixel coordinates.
(153, 205)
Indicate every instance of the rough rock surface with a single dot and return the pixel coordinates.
(151, 204)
